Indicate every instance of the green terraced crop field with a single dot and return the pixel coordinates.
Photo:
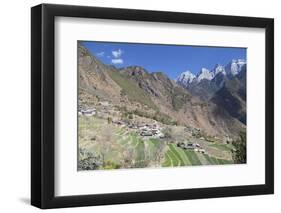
(223, 147)
(176, 156)
(119, 145)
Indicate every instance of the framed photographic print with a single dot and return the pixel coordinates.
(139, 106)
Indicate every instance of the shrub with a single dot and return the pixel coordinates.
(88, 160)
(239, 152)
(111, 165)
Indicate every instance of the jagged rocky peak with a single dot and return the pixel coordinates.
(186, 77)
(235, 66)
(231, 69)
(207, 82)
(205, 74)
(219, 69)
(239, 61)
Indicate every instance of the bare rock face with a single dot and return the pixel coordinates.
(232, 97)
(155, 94)
(93, 78)
(206, 83)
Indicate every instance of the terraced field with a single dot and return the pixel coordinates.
(176, 156)
(144, 152)
(223, 147)
(120, 145)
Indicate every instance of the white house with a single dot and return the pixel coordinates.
(87, 112)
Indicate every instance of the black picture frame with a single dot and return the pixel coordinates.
(43, 102)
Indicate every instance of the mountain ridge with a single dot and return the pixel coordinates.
(207, 82)
(154, 95)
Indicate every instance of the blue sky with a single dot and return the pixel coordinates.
(169, 59)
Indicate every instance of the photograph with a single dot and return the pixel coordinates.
(160, 105)
(134, 105)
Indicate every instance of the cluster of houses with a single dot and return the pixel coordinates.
(192, 146)
(151, 130)
(87, 111)
(103, 109)
(143, 129)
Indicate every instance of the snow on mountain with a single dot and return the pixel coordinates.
(205, 74)
(231, 69)
(219, 69)
(186, 78)
(235, 66)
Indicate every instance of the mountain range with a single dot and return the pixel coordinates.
(223, 85)
(214, 101)
(207, 82)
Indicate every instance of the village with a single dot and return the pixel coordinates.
(148, 141)
(196, 147)
(147, 130)
(143, 129)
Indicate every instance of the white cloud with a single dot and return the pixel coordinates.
(117, 53)
(100, 54)
(117, 61)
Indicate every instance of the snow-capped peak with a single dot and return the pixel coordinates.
(186, 77)
(235, 66)
(219, 69)
(205, 74)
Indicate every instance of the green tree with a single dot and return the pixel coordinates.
(239, 152)
(167, 133)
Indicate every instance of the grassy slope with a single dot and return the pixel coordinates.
(133, 92)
